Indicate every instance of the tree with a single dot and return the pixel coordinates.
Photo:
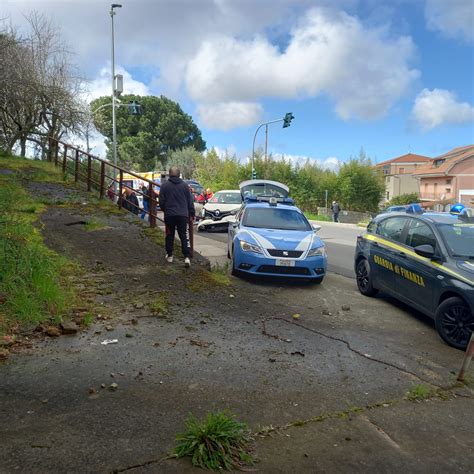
(404, 199)
(39, 88)
(185, 159)
(161, 128)
(361, 188)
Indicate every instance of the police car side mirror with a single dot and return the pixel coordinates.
(425, 250)
(316, 227)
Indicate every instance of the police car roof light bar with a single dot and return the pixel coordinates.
(414, 208)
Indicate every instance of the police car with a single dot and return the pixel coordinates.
(425, 260)
(272, 237)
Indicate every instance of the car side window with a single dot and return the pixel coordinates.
(392, 228)
(420, 233)
(372, 227)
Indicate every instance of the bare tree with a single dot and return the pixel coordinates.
(39, 89)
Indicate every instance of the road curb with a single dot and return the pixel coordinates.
(337, 224)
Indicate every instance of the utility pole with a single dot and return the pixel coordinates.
(266, 142)
(114, 124)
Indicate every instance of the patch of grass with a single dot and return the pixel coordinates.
(87, 319)
(317, 217)
(32, 277)
(203, 280)
(94, 224)
(215, 443)
(220, 274)
(160, 304)
(420, 392)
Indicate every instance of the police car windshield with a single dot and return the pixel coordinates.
(459, 238)
(275, 218)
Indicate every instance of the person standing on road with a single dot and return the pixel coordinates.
(177, 203)
(335, 208)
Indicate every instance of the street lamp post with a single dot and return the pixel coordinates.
(114, 124)
(286, 123)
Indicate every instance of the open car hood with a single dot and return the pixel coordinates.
(263, 188)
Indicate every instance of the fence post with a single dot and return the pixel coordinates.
(56, 152)
(65, 158)
(76, 169)
(152, 206)
(467, 359)
(49, 149)
(102, 179)
(120, 190)
(89, 172)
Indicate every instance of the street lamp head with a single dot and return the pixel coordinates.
(116, 5)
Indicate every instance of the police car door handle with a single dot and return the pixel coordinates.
(402, 254)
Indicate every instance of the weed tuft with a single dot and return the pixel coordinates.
(218, 442)
(160, 304)
(420, 392)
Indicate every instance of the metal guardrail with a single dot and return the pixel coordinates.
(96, 174)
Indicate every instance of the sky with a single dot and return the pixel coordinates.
(391, 76)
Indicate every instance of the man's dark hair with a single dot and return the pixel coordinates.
(174, 171)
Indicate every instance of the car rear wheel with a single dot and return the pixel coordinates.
(454, 322)
(364, 278)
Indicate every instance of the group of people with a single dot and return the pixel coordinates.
(177, 203)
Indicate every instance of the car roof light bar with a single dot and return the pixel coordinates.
(414, 208)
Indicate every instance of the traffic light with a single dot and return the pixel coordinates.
(135, 107)
(254, 174)
(287, 119)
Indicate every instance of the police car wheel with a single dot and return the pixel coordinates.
(454, 322)
(363, 278)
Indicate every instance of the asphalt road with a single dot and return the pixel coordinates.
(340, 242)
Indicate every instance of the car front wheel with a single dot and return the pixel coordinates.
(364, 278)
(454, 322)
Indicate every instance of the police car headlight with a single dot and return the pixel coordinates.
(318, 252)
(234, 212)
(246, 247)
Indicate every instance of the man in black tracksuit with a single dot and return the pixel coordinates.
(177, 203)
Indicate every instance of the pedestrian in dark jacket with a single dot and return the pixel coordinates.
(177, 203)
(146, 200)
(336, 209)
(130, 201)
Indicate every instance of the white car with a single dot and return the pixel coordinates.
(220, 210)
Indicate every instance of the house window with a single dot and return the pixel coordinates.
(435, 188)
(448, 181)
(388, 196)
(401, 170)
(437, 163)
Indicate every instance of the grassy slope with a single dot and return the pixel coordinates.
(32, 277)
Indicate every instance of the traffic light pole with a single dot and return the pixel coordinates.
(266, 141)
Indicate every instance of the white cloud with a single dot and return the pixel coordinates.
(227, 115)
(329, 163)
(362, 69)
(438, 107)
(453, 18)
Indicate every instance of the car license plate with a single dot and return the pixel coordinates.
(285, 263)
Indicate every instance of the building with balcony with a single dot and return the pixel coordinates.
(448, 178)
(398, 174)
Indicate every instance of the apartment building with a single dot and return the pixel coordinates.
(448, 178)
(398, 173)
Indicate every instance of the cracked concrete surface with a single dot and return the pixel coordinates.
(347, 371)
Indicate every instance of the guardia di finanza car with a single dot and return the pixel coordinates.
(425, 260)
(272, 237)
